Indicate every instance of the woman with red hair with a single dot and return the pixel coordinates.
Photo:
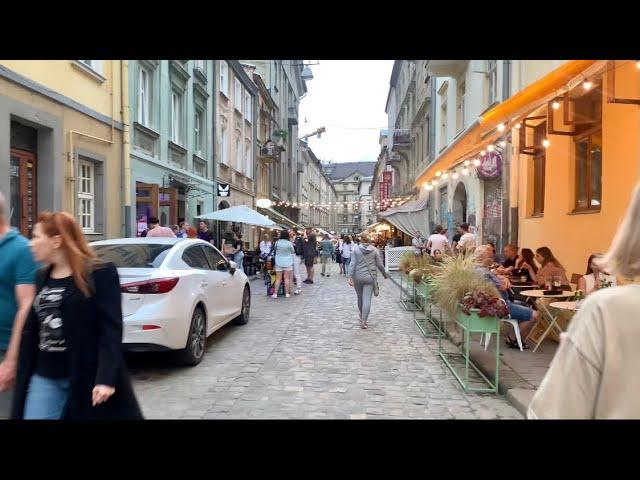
(71, 363)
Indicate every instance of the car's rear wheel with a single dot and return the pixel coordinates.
(193, 353)
(243, 318)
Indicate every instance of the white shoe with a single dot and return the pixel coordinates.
(297, 291)
(287, 295)
(275, 295)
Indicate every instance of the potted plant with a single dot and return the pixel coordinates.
(479, 308)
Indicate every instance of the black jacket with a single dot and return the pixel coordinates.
(93, 332)
(311, 246)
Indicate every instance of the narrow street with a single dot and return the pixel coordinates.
(306, 358)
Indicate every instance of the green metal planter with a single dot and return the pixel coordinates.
(408, 298)
(429, 324)
(471, 324)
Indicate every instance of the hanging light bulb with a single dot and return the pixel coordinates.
(501, 127)
(503, 143)
(490, 148)
(429, 187)
(445, 175)
(438, 173)
(454, 175)
(518, 125)
(555, 105)
(587, 85)
(546, 143)
(477, 162)
(483, 153)
(465, 171)
(467, 163)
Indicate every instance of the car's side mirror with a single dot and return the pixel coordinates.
(232, 267)
(222, 266)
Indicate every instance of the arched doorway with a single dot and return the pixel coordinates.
(460, 204)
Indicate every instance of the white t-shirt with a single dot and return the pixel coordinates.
(594, 373)
(417, 242)
(265, 247)
(438, 242)
(468, 241)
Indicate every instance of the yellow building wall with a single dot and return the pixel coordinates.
(63, 77)
(573, 237)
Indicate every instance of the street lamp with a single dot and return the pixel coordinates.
(307, 74)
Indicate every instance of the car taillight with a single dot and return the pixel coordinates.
(158, 285)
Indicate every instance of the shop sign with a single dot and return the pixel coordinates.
(224, 190)
(490, 166)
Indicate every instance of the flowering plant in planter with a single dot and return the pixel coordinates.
(487, 305)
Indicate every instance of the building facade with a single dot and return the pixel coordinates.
(317, 193)
(61, 136)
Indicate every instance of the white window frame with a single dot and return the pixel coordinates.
(224, 78)
(224, 146)
(86, 195)
(444, 136)
(248, 110)
(144, 97)
(95, 65)
(201, 65)
(239, 163)
(176, 116)
(237, 95)
(492, 81)
(460, 100)
(198, 120)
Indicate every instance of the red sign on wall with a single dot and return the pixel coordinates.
(387, 177)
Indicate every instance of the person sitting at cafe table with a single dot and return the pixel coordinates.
(525, 316)
(524, 264)
(595, 278)
(510, 259)
(550, 267)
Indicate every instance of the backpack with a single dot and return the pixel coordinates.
(298, 246)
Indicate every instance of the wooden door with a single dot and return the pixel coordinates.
(24, 191)
(146, 204)
(169, 198)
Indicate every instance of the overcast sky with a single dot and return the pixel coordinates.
(348, 98)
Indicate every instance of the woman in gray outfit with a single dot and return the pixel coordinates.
(362, 275)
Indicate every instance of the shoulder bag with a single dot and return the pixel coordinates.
(376, 287)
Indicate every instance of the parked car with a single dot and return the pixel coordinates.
(175, 293)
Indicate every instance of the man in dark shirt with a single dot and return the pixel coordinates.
(456, 238)
(204, 233)
(510, 259)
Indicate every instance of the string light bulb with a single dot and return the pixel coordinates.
(501, 127)
(445, 175)
(587, 85)
(490, 148)
(518, 126)
(454, 175)
(477, 162)
(434, 182)
(483, 153)
(465, 171)
(638, 64)
(546, 143)
(467, 163)
(503, 143)
(555, 105)
(438, 173)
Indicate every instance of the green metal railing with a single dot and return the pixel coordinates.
(429, 323)
(408, 298)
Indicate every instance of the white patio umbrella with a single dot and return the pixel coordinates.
(241, 214)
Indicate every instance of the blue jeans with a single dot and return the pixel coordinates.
(46, 398)
(238, 258)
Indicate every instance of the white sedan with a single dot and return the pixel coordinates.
(175, 293)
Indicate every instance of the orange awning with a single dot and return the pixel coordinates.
(484, 130)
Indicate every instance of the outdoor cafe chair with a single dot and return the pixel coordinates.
(510, 321)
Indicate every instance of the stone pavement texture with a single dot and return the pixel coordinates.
(306, 358)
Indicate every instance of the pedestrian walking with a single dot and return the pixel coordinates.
(17, 290)
(71, 364)
(326, 252)
(283, 255)
(347, 250)
(594, 373)
(155, 230)
(362, 276)
(339, 255)
(238, 248)
(310, 254)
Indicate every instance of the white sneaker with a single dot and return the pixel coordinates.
(275, 295)
(287, 295)
(297, 291)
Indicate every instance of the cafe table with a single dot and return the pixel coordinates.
(540, 294)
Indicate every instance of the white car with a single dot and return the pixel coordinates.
(175, 293)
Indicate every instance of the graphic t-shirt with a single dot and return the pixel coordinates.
(52, 355)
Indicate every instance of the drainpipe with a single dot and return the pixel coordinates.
(509, 227)
(126, 158)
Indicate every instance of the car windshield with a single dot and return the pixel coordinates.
(133, 255)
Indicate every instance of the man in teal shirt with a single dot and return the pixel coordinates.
(17, 289)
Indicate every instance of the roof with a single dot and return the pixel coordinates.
(338, 171)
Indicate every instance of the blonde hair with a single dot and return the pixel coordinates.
(365, 237)
(623, 257)
(483, 255)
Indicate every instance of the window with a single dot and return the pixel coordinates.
(224, 146)
(492, 79)
(224, 78)
(176, 117)
(248, 111)
(443, 124)
(213, 256)
(95, 65)
(198, 133)
(247, 159)
(589, 172)
(144, 97)
(539, 161)
(238, 164)
(195, 258)
(86, 196)
(460, 107)
(201, 65)
(129, 255)
(237, 95)
(427, 145)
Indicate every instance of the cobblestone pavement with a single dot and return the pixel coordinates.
(306, 358)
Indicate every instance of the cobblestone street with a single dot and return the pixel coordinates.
(305, 357)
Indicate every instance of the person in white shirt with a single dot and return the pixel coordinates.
(467, 243)
(265, 247)
(437, 241)
(418, 243)
(595, 279)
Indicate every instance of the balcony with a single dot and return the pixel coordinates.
(401, 139)
(446, 68)
(270, 153)
(293, 116)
